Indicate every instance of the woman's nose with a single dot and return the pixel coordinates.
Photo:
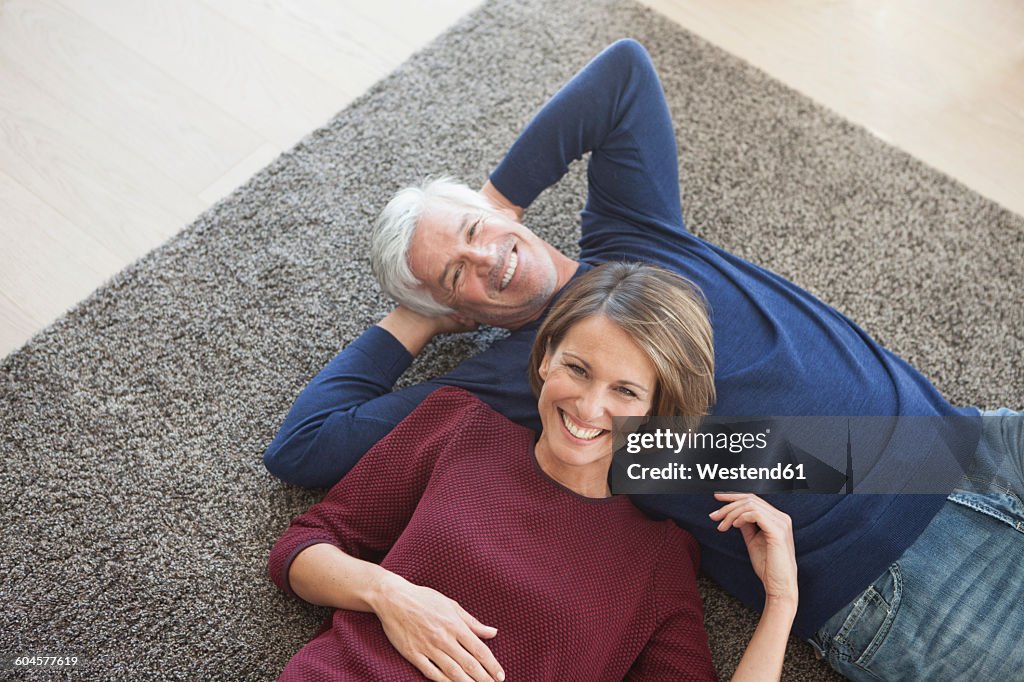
(590, 406)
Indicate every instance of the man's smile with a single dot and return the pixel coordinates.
(510, 269)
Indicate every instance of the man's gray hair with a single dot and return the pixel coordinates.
(392, 234)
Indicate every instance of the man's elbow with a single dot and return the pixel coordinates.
(278, 464)
(294, 467)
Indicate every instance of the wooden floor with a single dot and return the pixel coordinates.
(121, 121)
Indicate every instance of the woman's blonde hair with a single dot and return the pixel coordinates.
(664, 314)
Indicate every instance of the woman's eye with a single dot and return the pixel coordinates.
(627, 392)
(472, 231)
(576, 369)
(455, 277)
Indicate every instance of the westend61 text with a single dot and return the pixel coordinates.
(714, 472)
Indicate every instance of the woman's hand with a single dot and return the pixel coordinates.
(434, 633)
(769, 537)
(768, 534)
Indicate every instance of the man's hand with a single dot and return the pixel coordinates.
(414, 331)
(500, 201)
(768, 534)
(435, 634)
(452, 324)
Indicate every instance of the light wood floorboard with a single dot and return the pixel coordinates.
(85, 172)
(941, 79)
(67, 262)
(97, 78)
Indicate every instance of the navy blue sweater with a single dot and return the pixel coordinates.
(778, 349)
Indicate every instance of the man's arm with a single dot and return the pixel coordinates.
(345, 409)
(615, 109)
(350, 396)
(499, 200)
(350, 404)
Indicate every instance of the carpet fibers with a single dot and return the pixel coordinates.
(135, 513)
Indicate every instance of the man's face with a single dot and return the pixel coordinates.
(487, 266)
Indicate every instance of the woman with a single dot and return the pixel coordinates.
(473, 514)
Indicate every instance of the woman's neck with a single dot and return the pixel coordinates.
(589, 480)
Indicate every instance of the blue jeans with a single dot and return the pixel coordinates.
(952, 606)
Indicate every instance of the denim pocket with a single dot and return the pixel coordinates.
(871, 618)
(999, 502)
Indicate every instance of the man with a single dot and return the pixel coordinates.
(456, 258)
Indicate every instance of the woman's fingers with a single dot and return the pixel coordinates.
(453, 661)
(768, 535)
(733, 500)
(478, 628)
(739, 504)
(425, 627)
(728, 514)
(749, 533)
(773, 524)
(480, 652)
(463, 657)
(428, 669)
(730, 518)
(458, 668)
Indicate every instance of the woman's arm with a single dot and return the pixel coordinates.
(428, 629)
(768, 534)
(327, 556)
(762, 660)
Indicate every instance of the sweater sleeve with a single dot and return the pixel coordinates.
(615, 108)
(678, 649)
(349, 405)
(367, 510)
(346, 408)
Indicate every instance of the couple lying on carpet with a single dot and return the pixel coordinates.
(518, 529)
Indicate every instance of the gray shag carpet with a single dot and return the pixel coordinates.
(136, 514)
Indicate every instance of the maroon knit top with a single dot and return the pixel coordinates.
(453, 499)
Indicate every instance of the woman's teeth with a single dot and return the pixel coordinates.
(583, 434)
(513, 260)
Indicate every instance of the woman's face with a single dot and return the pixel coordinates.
(595, 373)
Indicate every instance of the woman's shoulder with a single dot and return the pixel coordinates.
(458, 404)
(449, 423)
(450, 397)
(447, 404)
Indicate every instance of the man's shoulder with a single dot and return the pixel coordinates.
(664, 247)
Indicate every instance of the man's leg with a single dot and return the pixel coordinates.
(952, 607)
